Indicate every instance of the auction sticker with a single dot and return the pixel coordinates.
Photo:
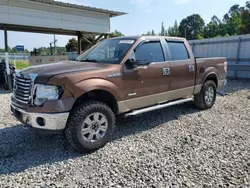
(126, 42)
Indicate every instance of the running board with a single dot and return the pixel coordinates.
(159, 106)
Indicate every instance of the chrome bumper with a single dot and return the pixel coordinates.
(41, 121)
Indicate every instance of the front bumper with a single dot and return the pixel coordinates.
(42, 121)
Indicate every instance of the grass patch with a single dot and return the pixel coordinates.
(21, 64)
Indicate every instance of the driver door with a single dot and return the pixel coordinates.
(142, 82)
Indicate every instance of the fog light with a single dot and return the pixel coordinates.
(40, 121)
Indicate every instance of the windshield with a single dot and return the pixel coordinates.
(107, 51)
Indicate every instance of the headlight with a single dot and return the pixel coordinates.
(46, 92)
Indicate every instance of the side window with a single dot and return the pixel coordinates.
(178, 51)
(148, 53)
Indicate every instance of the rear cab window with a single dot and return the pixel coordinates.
(178, 51)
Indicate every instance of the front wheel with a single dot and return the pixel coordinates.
(90, 126)
(207, 96)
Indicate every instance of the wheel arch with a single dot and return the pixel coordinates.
(100, 90)
(100, 95)
(211, 76)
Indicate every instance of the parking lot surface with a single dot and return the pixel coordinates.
(180, 146)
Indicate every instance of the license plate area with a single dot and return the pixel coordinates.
(20, 116)
(17, 114)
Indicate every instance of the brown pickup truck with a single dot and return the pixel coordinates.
(124, 75)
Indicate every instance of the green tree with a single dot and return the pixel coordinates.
(248, 5)
(211, 30)
(116, 33)
(245, 19)
(163, 31)
(61, 50)
(233, 9)
(234, 24)
(72, 45)
(216, 20)
(192, 27)
(147, 34)
(232, 19)
(13, 50)
(26, 51)
(174, 30)
(153, 33)
(215, 28)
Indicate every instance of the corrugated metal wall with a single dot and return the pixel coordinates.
(235, 48)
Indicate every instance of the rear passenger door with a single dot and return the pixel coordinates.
(182, 69)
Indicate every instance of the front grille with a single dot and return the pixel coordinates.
(22, 89)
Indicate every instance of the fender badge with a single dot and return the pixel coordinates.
(115, 75)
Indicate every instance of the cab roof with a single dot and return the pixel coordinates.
(149, 37)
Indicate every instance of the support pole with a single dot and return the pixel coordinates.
(193, 47)
(79, 46)
(237, 56)
(7, 59)
(106, 36)
(238, 51)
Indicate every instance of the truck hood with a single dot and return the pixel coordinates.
(46, 71)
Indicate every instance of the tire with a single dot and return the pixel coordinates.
(203, 100)
(84, 132)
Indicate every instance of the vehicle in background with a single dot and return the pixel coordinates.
(124, 75)
(3, 74)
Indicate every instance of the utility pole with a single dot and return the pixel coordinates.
(51, 51)
(55, 44)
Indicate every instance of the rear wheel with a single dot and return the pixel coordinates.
(207, 96)
(90, 126)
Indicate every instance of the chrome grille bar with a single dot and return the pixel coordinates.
(22, 89)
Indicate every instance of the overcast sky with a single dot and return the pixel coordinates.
(143, 15)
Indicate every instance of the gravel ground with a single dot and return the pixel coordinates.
(175, 147)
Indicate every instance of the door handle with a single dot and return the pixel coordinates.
(166, 71)
(191, 68)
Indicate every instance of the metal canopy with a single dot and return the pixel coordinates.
(32, 29)
(81, 7)
(52, 17)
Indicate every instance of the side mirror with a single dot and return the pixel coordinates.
(131, 63)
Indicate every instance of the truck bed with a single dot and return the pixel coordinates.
(212, 65)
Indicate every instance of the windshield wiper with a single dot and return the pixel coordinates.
(90, 60)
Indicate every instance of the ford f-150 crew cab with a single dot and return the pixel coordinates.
(123, 75)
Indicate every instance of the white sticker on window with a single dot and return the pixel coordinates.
(126, 42)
